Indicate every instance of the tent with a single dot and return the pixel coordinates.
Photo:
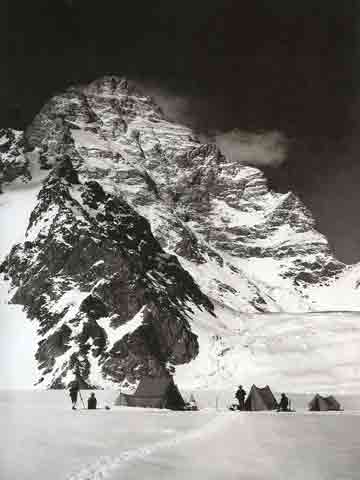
(319, 403)
(154, 392)
(260, 399)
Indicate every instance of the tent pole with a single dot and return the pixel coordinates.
(82, 399)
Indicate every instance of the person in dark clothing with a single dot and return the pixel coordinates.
(74, 390)
(284, 403)
(92, 402)
(240, 395)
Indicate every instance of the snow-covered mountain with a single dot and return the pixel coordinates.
(146, 245)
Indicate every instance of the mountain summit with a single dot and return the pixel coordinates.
(143, 240)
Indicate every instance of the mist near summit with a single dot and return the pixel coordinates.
(257, 149)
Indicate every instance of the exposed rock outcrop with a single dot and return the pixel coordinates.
(139, 226)
(13, 163)
(89, 256)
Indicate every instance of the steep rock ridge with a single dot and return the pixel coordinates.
(231, 207)
(13, 161)
(90, 268)
(116, 300)
(117, 158)
(200, 206)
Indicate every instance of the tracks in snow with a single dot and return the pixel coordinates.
(104, 466)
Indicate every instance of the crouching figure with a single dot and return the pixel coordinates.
(284, 403)
(92, 402)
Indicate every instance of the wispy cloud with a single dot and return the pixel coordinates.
(268, 148)
(258, 149)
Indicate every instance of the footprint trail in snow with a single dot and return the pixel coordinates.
(104, 466)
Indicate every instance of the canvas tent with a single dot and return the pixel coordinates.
(154, 392)
(319, 403)
(260, 399)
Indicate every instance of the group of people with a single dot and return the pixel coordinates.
(74, 391)
(241, 394)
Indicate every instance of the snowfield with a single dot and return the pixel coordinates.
(301, 353)
(18, 339)
(45, 439)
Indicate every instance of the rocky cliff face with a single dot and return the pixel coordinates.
(88, 256)
(138, 226)
(13, 162)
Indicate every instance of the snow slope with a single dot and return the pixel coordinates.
(261, 447)
(18, 338)
(46, 439)
(291, 352)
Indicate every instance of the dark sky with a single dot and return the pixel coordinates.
(258, 65)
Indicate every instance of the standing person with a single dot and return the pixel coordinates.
(92, 402)
(284, 403)
(74, 388)
(240, 395)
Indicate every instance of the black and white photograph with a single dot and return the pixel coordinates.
(180, 240)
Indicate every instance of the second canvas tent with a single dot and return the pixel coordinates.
(260, 399)
(320, 404)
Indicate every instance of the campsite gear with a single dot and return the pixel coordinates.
(319, 403)
(154, 392)
(191, 405)
(97, 408)
(284, 403)
(260, 399)
(92, 402)
(240, 395)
